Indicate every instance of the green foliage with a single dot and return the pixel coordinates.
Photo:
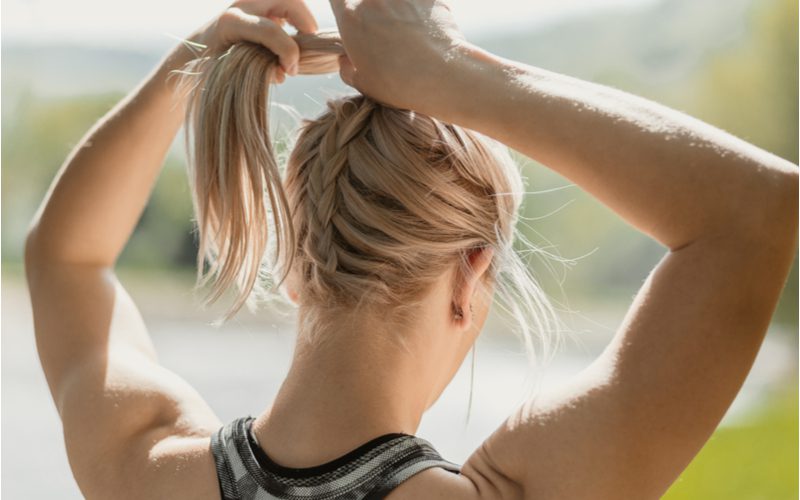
(757, 461)
(164, 236)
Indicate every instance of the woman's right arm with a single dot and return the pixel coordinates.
(726, 210)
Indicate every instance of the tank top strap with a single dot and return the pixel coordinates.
(230, 468)
(368, 472)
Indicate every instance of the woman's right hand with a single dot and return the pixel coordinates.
(259, 21)
(400, 52)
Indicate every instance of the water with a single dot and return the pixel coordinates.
(238, 370)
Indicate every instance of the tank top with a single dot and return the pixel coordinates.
(369, 472)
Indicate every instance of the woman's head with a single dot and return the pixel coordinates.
(377, 205)
(384, 201)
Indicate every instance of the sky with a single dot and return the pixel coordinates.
(153, 22)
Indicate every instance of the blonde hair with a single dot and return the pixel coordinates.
(376, 202)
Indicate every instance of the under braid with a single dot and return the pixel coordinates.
(329, 266)
(326, 179)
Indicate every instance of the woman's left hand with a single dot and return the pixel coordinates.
(259, 21)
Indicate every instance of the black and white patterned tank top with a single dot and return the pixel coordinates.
(369, 472)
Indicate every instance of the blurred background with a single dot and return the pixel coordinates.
(733, 63)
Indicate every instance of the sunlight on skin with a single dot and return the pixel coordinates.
(93, 21)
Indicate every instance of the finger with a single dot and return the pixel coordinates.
(299, 16)
(256, 7)
(270, 35)
(278, 75)
(295, 11)
(337, 6)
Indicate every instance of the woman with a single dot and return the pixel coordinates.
(624, 428)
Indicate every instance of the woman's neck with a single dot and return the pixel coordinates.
(352, 386)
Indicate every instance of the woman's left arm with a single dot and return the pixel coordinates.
(118, 406)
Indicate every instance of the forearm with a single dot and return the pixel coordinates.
(671, 176)
(101, 190)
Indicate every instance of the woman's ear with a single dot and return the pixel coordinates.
(477, 265)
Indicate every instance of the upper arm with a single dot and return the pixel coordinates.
(125, 417)
(632, 421)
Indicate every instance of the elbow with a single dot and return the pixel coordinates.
(773, 219)
(32, 251)
(781, 220)
(761, 223)
(791, 188)
(50, 246)
(40, 249)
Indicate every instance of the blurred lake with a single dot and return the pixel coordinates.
(238, 368)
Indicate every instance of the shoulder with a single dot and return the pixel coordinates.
(477, 480)
(157, 466)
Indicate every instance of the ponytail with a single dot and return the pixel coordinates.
(236, 182)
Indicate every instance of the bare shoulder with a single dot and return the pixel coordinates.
(478, 480)
(171, 467)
